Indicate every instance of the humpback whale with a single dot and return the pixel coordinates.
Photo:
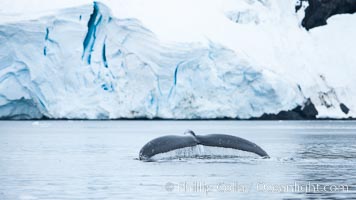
(172, 142)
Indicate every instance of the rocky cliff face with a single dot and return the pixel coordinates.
(318, 11)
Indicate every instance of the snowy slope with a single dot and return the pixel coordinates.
(172, 59)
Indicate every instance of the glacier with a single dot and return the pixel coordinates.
(112, 60)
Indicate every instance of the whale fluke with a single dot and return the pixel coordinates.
(172, 142)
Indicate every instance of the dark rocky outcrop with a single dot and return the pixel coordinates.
(344, 108)
(306, 112)
(319, 11)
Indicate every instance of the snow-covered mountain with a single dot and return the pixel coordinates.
(177, 59)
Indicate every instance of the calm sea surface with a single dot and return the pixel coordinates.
(98, 160)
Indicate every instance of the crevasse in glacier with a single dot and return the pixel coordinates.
(85, 63)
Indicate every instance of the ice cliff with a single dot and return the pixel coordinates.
(247, 59)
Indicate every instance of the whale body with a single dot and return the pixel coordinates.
(172, 142)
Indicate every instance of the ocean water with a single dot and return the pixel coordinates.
(98, 160)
